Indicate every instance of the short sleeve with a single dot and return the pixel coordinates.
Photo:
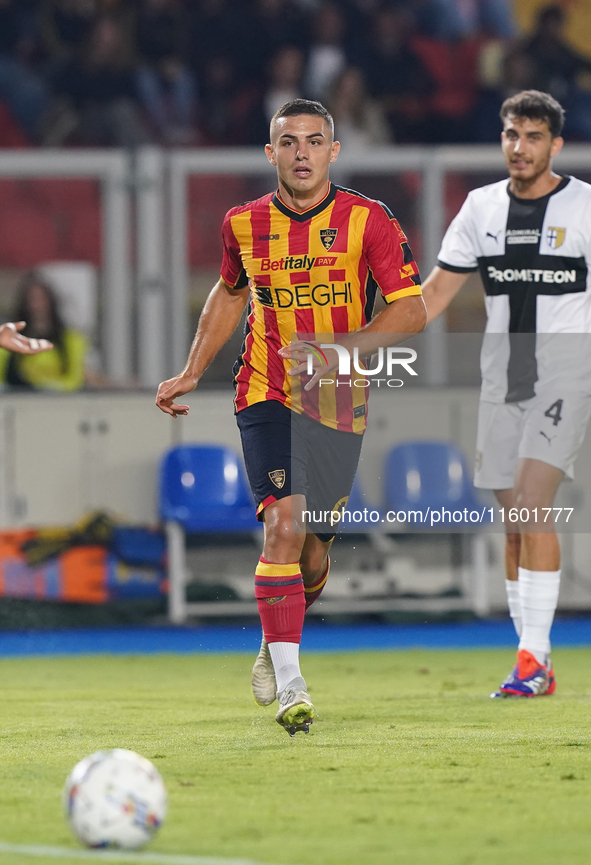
(390, 257)
(457, 251)
(232, 270)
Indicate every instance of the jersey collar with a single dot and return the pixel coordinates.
(564, 182)
(304, 215)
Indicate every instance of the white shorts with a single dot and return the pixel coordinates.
(549, 427)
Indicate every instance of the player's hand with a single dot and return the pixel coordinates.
(11, 339)
(169, 390)
(323, 360)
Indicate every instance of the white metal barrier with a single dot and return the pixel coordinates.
(112, 169)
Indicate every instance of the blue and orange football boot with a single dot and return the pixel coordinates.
(551, 680)
(528, 678)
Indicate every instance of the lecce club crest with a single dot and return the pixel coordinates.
(277, 477)
(555, 236)
(328, 236)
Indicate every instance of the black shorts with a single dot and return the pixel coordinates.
(288, 454)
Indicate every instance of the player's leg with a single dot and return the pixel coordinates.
(332, 458)
(280, 596)
(328, 459)
(553, 431)
(500, 428)
(265, 430)
(315, 562)
(512, 551)
(315, 566)
(279, 590)
(536, 484)
(279, 587)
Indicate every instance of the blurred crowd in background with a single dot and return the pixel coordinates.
(213, 72)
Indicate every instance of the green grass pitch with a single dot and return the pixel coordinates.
(410, 762)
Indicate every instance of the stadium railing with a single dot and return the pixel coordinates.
(146, 198)
(112, 169)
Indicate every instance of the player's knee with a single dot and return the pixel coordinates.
(527, 499)
(281, 540)
(280, 531)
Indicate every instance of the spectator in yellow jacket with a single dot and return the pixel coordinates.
(60, 365)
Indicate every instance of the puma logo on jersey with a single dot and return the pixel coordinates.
(495, 237)
(542, 433)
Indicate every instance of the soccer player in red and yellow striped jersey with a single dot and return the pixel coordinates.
(311, 272)
(308, 260)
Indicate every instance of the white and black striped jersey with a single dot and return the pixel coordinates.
(534, 258)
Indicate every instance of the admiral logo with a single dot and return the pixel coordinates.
(512, 274)
(519, 236)
(269, 236)
(302, 263)
(328, 236)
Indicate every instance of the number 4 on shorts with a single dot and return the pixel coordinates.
(554, 411)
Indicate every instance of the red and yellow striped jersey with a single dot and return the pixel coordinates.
(311, 275)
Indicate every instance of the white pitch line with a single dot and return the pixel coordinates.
(118, 856)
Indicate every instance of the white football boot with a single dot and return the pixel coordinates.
(262, 678)
(296, 711)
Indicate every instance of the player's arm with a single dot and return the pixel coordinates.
(217, 323)
(440, 288)
(457, 259)
(390, 260)
(11, 339)
(397, 322)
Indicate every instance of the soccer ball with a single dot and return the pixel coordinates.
(115, 799)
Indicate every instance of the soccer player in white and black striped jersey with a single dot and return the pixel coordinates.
(530, 238)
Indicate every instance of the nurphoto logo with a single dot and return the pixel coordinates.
(386, 361)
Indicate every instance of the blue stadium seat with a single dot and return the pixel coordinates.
(203, 487)
(421, 475)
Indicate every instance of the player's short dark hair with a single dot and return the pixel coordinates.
(535, 105)
(304, 106)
